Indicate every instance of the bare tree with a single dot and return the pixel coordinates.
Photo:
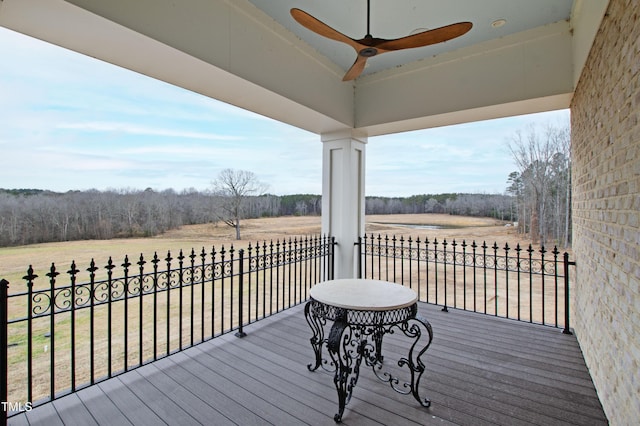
(234, 187)
(543, 162)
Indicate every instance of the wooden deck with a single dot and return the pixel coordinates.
(482, 370)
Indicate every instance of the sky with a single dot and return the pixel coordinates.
(71, 122)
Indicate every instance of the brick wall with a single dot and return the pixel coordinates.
(605, 119)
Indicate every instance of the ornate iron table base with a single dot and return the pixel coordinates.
(356, 335)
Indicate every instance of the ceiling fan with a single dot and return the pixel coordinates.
(371, 46)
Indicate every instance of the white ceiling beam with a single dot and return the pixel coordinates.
(586, 16)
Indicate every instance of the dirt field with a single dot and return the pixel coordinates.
(459, 228)
(14, 261)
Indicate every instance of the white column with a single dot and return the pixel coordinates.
(343, 164)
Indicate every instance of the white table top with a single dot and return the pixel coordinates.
(362, 294)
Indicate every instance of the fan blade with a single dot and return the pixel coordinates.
(426, 38)
(319, 27)
(356, 69)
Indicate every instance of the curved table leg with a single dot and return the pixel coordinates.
(412, 328)
(317, 340)
(345, 348)
(414, 359)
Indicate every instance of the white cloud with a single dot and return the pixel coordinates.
(142, 130)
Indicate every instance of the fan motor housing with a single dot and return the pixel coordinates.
(368, 52)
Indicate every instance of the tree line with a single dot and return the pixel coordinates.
(29, 216)
(538, 198)
(498, 206)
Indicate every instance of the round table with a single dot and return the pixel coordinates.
(362, 312)
(362, 294)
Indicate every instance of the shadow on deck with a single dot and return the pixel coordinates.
(480, 370)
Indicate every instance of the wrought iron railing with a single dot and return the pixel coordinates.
(59, 335)
(512, 282)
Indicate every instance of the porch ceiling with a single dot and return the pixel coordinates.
(252, 54)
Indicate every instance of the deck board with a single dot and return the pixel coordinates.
(264, 380)
(73, 411)
(481, 370)
(206, 385)
(101, 407)
(173, 381)
(128, 402)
